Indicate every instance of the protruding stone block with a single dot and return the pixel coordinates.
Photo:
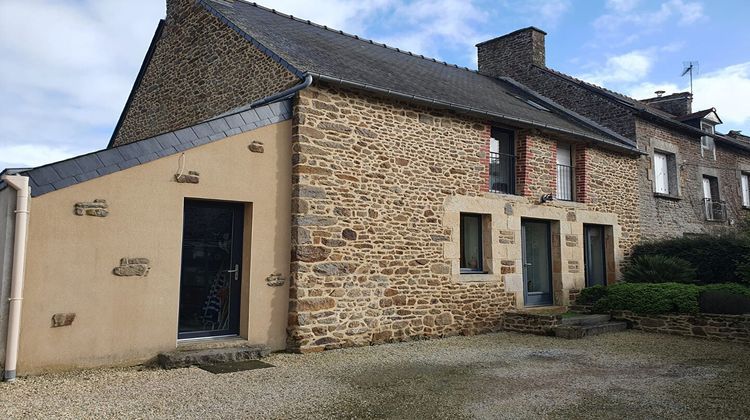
(63, 320)
(275, 280)
(96, 208)
(256, 147)
(132, 267)
(191, 177)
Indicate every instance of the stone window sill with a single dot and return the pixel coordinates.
(478, 278)
(668, 196)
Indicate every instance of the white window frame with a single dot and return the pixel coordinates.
(708, 145)
(661, 173)
(745, 187)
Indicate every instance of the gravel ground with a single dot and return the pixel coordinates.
(504, 375)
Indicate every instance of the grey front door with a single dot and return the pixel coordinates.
(537, 262)
(595, 263)
(211, 269)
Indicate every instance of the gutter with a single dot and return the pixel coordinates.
(462, 108)
(306, 82)
(21, 185)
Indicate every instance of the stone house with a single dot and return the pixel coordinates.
(305, 189)
(692, 179)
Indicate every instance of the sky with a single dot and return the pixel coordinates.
(67, 66)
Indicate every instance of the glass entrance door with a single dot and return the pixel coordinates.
(595, 263)
(211, 269)
(537, 262)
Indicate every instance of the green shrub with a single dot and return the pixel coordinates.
(743, 271)
(591, 295)
(654, 298)
(659, 269)
(733, 288)
(715, 258)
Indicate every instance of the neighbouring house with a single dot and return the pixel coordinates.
(306, 189)
(691, 177)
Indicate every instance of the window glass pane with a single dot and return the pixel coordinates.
(471, 242)
(563, 154)
(502, 162)
(706, 188)
(746, 190)
(661, 173)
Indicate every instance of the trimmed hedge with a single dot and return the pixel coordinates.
(653, 298)
(717, 259)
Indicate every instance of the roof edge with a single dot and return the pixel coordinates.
(141, 73)
(533, 28)
(578, 117)
(58, 175)
(267, 51)
(466, 109)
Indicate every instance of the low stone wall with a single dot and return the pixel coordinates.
(713, 327)
(528, 323)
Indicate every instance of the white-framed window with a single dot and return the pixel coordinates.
(708, 146)
(745, 185)
(661, 173)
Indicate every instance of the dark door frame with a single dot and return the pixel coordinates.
(537, 300)
(238, 220)
(587, 254)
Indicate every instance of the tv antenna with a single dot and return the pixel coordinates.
(689, 67)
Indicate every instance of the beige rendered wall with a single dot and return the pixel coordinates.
(124, 320)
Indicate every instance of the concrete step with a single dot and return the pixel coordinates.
(585, 319)
(580, 331)
(185, 357)
(544, 310)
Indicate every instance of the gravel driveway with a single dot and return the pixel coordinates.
(504, 375)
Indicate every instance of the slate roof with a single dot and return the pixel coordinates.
(697, 115)
(58, 175)
(642, 108)
(307, 48)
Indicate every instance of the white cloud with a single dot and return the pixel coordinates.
(629, 67)
(67, 70)
(726, 90)
(626, 16)
(346, 15)
(624, 12)
(426, 27)
(622, 5)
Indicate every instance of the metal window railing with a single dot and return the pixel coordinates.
(565, 182)
(716, 211)
(502, 173)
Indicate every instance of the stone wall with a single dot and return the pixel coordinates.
(683, 211)
(200, 68)
(378, 188)
(370, 179)
(713, 327)
(528, 323)
(660, 216)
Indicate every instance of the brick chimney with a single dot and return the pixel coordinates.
(510, 54)
(678, 104)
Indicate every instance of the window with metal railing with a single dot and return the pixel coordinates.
(565, 182)
(565, 173)
(716, 211)
(502, 162)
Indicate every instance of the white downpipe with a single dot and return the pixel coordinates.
(21, 185)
